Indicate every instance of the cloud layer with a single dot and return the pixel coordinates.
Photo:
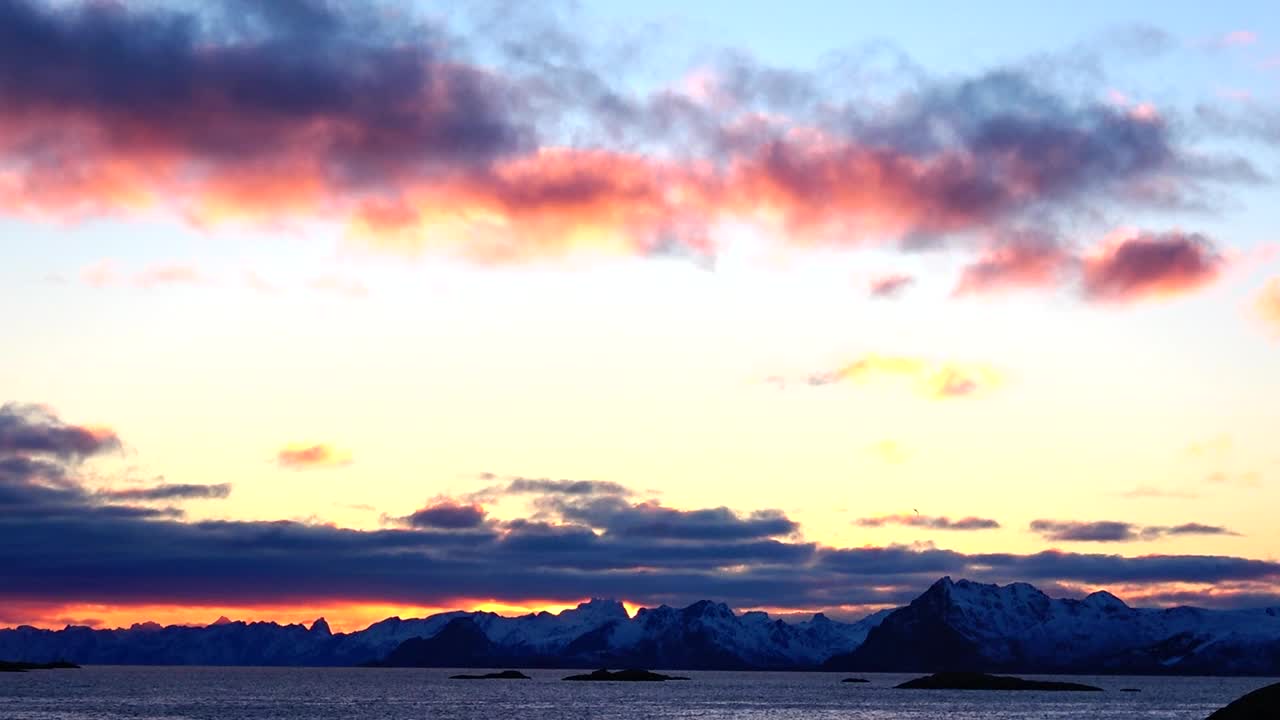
(504, 148)
(64, 541)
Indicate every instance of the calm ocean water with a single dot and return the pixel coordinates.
(182, 693)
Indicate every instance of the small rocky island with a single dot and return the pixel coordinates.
(855, 680)
(982, 681)
(504, 675)
(1261, 704)
(624, 676)
(25, 666)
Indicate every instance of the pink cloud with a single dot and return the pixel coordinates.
(1238, 38)
(106, 273)
(1024, 260)
(892, 285)
(168, 275)
(1131, 266)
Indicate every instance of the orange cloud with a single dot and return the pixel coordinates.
(550, 202)
(1267, 305)
(302, 457)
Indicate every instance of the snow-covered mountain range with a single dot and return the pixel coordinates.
(953, 625)
(1016, 628)
(702, 635)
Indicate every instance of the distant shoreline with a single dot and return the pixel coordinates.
(575, 668)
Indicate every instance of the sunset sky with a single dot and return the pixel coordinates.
(315, 309)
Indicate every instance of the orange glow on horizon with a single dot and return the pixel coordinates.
(341, 616)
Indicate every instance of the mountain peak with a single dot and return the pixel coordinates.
(705, 608)
(321, 627)
(1105, 601)
(943, 584)
(939, 592)
(222, 620)
(600, 608)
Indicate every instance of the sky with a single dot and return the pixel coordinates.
(368, 310)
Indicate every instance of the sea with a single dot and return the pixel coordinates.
(238, 693)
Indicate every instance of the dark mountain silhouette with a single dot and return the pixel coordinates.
(504, 675)
(624, 676)
(1261, 704)
(982, 681)
(6, 666)
(460, 644)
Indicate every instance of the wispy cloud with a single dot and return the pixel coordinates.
(1116, 531)
(1145, 492)
(107, 273)
(929, 522)
(1212, 447)
(517, 485)
(168, 275)
(1240, 479)
(934, 380)
(169, 492)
